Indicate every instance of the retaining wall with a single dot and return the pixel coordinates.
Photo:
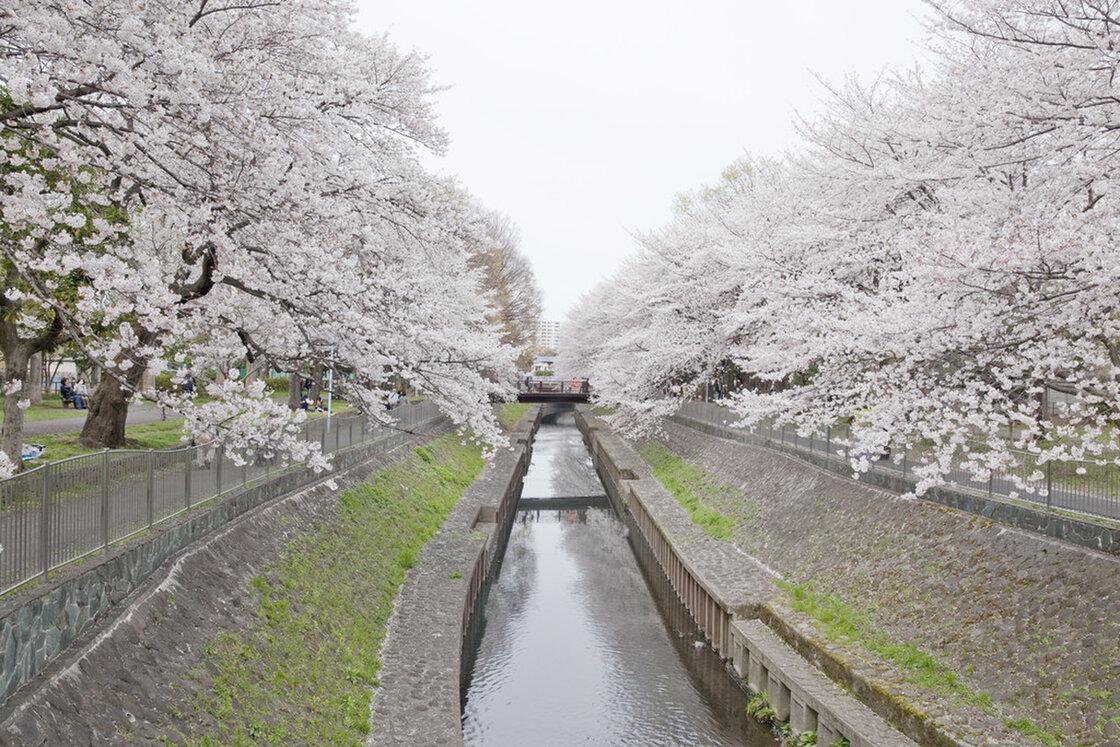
(37, 624)
(419, 697)
(726, 594)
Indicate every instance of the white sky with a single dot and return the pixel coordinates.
(582, 120)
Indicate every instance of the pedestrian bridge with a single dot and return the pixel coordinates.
(553, 390)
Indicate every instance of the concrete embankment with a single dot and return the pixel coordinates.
(993, 635)
(730, 595)
(180, 659)
(40, 623)
(418, 701)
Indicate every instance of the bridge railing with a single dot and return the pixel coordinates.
(1082, 486)
(62, 511)
(555, 386)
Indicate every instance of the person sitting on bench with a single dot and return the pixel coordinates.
(68, 394)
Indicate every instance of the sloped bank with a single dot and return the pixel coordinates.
(418, 700)
(953, 611)
(266, 629)
(38, 624)
(729, 595)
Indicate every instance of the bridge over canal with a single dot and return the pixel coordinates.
(542, 390)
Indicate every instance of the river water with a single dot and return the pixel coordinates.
(576, 647)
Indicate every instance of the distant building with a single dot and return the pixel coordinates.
(548, 335)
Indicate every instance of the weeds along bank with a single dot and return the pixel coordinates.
(982, 632)
(270, 629)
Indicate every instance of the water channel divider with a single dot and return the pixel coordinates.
(428, 647)
(729, 607)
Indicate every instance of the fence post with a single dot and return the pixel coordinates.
(1049, 483)
(151, 487)
(105, 499)
(218, 455)
(45, 522)
(991, 479)
(828, 440)
(187, 476)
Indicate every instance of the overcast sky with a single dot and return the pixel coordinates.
(582, 120)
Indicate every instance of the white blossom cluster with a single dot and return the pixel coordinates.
(193, 184)
(939, 263)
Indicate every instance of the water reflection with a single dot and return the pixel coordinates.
(576, 650)
(561, 466)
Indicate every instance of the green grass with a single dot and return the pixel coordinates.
(840, 622)
(758, 708)
(602, 410)
(50, 409)
(161, 435)
(511, 412)
(691, 486)
(303, 672)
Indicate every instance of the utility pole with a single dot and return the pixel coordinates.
(330, 389)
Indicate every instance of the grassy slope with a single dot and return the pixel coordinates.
(511, 412)
(304, 671)
(840, 622)
(691, 486)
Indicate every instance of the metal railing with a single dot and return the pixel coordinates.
(1074, 485)
(63, 511)
(555, 386)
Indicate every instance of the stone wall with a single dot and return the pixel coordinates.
(37, 624)
(418, 700)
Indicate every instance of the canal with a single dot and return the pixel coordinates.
(578, 643)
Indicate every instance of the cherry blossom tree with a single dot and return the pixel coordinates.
(937, 258)
(251, 191)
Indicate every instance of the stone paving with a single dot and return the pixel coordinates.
(417, 702)
(1031, 622)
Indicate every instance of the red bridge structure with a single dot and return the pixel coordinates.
(554, 390)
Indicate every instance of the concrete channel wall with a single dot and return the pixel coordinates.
(419, 698)
(725, 593)
(37, 624)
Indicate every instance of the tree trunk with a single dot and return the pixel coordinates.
(295, 383)
(35, 379)
(11, 431)
(316, 380)
(108, 411)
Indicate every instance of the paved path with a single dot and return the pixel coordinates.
(137, 415)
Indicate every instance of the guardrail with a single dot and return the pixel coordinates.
(1075, 485)
(64, 511)
(535, 385)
